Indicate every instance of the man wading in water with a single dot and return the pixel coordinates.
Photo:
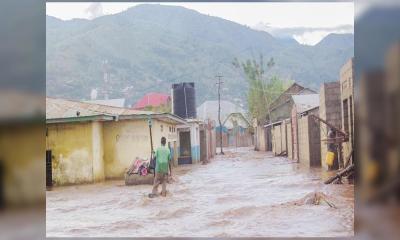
(163, 155)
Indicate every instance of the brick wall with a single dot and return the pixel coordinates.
(329, 110)
(347, 104)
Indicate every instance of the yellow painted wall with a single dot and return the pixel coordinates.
(72, 149)
(98, 152)
(23, 163)
(127, 139)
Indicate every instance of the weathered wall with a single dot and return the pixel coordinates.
(21, 161)
(347, 104)
(283, 137)
(277, 139)
(314, 140)
(329, 110)
(98, 151)
(72, 148)
(303, 141)
(289, 140)
(295, 134)
(125, 140)
(260, 141)
(309, 141)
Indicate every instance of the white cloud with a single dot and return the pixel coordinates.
(94, 10)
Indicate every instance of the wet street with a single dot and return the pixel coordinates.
(241, 194)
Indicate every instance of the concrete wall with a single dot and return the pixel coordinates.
(98, 152)
(329, 110)
(284, 136)
(22, 163)
(260, 138)
(277, 139)
(125, 140)
(289, 140)
(309, 141)
(347, 104)
(77, 156)
(295, 134)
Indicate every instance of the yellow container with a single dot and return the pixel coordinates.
(330, 157)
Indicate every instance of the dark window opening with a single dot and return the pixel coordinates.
(346, 116)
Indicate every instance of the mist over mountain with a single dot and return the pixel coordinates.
(148, 47)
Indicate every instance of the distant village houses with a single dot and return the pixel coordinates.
(235, 127)
(304, 125)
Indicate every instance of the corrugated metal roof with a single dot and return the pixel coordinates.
(117, 102)
(62, 110)
(305, 102)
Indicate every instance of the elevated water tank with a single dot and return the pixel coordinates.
(184, 100)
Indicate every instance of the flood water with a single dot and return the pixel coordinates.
(241, 194)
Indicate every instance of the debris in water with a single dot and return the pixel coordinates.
(314, 198)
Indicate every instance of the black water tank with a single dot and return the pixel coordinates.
(184, 100)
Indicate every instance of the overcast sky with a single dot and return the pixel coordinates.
(308, 23)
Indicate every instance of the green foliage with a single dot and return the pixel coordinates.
(262, 89)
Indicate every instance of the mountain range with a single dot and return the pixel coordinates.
(148, 47)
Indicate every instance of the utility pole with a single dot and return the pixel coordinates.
(219, 110)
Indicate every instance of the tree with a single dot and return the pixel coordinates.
(262, 89)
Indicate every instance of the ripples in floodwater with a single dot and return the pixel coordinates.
(241, 194)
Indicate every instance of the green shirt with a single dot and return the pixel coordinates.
(162, 157)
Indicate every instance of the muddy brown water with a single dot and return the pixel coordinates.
(241, 194)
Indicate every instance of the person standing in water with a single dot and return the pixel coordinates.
(163, 155)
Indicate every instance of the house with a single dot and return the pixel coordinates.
(301, 104)
(347, 105)
(117, 102)
(279, 137)
(153, 100)
(196, 140)
(329, 110)
(236, 131)
(88, 142)
(281, 108)
(304, 137)
(309, 141)
(208, 111)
